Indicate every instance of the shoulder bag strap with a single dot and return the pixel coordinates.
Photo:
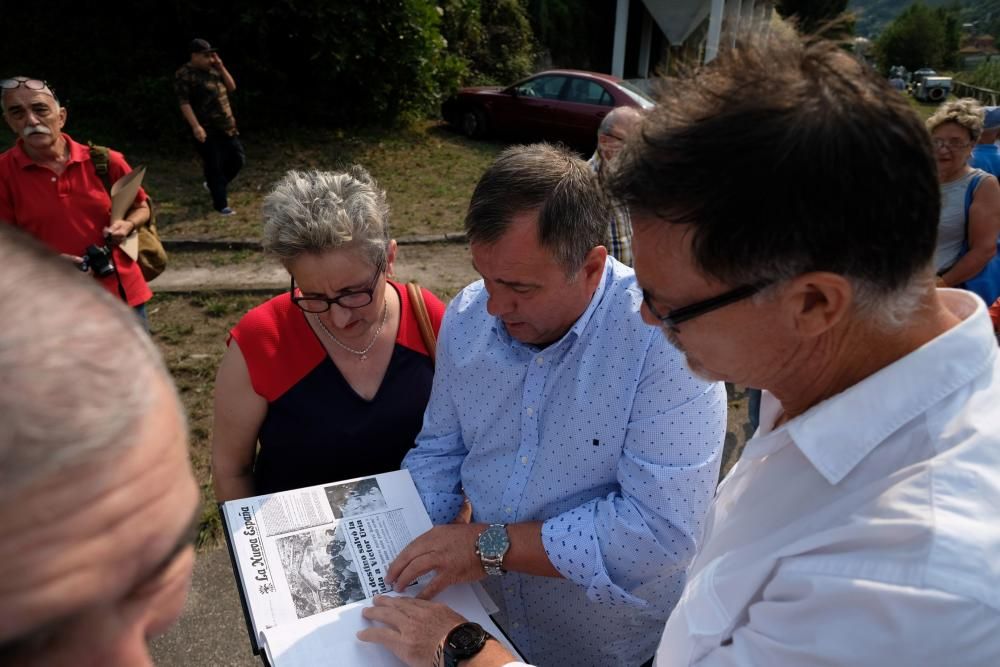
(423, 318)
(100, 156)
(969, 192)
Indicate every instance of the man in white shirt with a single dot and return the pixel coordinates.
(861, 526)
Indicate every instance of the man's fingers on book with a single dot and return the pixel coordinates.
(387, 614)
(415, 569)
(401, 562)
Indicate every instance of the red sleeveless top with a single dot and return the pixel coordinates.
(317, 428)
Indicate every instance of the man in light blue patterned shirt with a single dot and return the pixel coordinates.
(588, 452)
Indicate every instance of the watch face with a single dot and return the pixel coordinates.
(493, 542)
(466, 637)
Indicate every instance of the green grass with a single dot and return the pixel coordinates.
(191, 334)
(923, 109)
(427, 170)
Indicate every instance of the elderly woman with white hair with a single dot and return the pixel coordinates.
(328, 381)
(970, 197)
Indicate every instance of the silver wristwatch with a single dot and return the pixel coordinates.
(491, 547)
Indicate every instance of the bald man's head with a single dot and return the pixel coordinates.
(615, 129)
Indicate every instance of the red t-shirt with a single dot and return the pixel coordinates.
(68, 212)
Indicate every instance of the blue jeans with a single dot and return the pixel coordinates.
(753, 407)
(222, 157)
(140, 312)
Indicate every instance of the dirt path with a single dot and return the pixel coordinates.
(443, 268)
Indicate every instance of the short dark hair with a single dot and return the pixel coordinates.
(785, 157)
(573, 211)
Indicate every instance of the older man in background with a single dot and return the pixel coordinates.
(615, 128)
(860, 526)
(50, 187)
(97, 500)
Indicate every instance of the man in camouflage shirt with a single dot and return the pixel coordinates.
(202, 86)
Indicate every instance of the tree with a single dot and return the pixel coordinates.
(493, 38)
(920, 37)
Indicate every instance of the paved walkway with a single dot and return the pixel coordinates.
(442, 267)
(211, 632)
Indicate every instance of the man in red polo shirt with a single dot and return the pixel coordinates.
(50, 187)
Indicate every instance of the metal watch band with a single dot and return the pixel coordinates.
(493, 566)
(493, 562)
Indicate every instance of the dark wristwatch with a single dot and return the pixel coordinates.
(491, 546)
(463, 642)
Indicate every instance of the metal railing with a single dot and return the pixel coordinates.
(985, 95)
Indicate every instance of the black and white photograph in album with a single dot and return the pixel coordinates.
(320, 570)
(362, 496)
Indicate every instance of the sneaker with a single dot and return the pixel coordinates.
(227, 211)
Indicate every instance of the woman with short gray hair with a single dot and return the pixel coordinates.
(328, 381)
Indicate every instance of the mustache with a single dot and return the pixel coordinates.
(35, 129)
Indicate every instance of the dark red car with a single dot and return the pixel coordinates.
(559, 105)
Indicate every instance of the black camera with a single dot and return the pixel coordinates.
(98, 258)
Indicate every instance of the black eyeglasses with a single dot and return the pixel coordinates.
(321, 304)
(30, 84)
(679, 315)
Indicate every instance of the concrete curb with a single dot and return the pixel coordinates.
(181, 245)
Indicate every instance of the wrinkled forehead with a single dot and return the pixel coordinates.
(24, 97)
(84, 536)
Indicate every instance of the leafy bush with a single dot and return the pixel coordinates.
(334, 62)
(493, 39)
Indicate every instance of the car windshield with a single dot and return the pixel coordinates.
(637, 95)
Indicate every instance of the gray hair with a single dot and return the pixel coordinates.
(887, 312)
(78, 371)
(315, 211)
(629, 116)
(966, 112)
(47, 90)
(573, 211)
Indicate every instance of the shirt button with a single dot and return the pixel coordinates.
(53, 179)
(539, 360)
(524, 460)
(530, 411)
(515, 624)
(508, 510)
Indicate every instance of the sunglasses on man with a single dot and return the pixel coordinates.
(16, 82)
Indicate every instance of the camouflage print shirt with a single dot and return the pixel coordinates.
(206, 93)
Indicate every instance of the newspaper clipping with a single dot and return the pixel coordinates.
(307, 560)
(311, 550)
